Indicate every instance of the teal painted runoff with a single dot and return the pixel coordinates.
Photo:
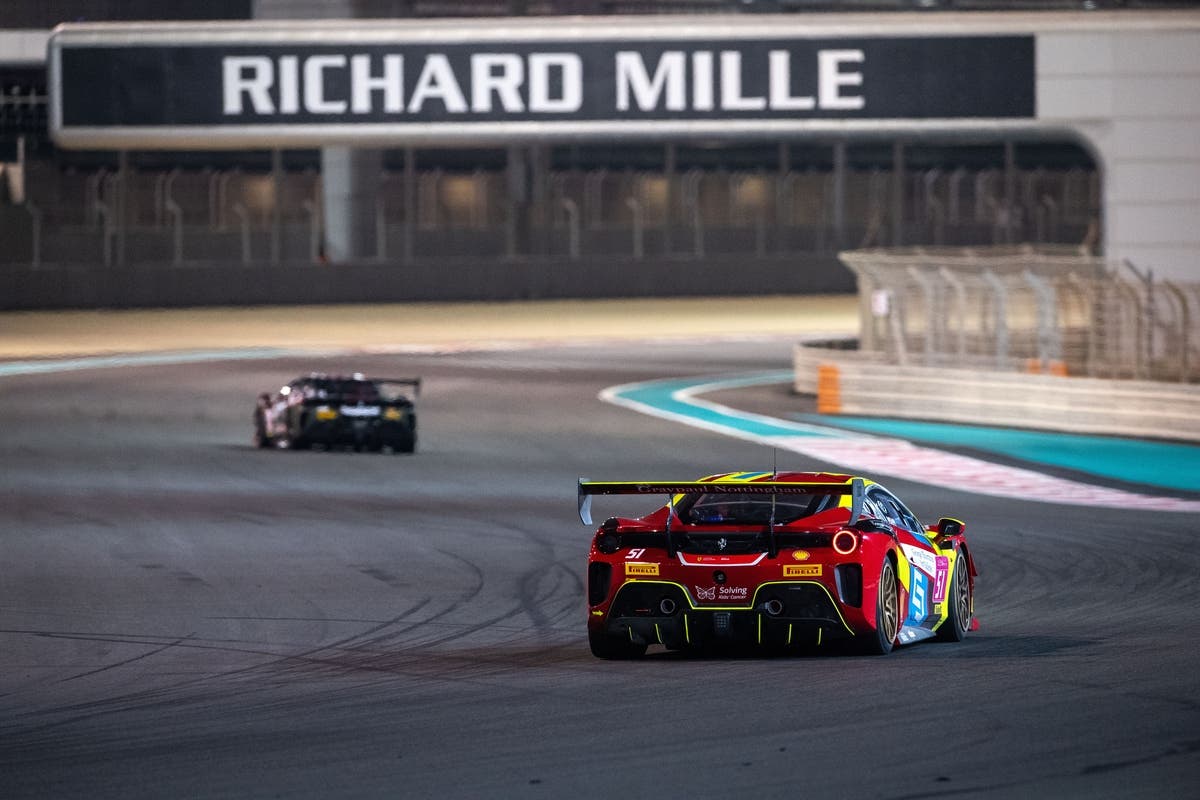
(660, 395)
(1167, 464)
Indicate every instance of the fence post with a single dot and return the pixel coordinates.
(760, 234)
(635, 208)
(691, 201)
(1184, 329)
(222, 197)
(1144, 309)
(933, 207)
(510, 228)
(1000, 309)
(214, 180)
(932, 339)
(572, 209)
(160, 181)
(593, 197)
(35, 221)
(239, 211)
(960, 303)
(105, 215)
(93, 196)
(314, 232)
(173, 211)
(276, 207)
(380, 224)
(1048, 342)
(176, 214)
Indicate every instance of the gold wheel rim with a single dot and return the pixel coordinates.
(888, 601)
(962, 598)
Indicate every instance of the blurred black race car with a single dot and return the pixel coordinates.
(335, 410)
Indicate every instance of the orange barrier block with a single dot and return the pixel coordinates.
(1035, 366)
(829, 389)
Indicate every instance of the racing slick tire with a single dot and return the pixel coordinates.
(290, 442)
(614, 648)
(261, 439)
(887, 613)
(295, 441)
(958, 619)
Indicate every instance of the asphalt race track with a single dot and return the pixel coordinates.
(182, 615)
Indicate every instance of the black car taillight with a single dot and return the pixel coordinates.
(608, 543)
(599, 577)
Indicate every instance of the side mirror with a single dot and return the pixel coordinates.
(948, 526)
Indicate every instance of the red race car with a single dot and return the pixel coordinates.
(778, 560)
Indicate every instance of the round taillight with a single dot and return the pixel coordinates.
(845, 542)
(608, 543)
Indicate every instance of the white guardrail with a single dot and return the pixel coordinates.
(865, 384)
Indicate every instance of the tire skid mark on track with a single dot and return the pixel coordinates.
(352, 643)
(532, 596)
(118, 703)
(274, 662)
(356, 652)
(127, 661)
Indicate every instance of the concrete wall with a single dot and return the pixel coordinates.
(162, 285)
(1133, 91)
(856, 384)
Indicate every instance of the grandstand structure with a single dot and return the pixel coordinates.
(659, 212)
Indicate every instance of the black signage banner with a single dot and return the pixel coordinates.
(582, 85)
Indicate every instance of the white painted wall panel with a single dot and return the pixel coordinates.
(1135, 95)
(1155, 139)
(1148, 181)
(1161, 223)
(1075, 54)
(1174, 263)
(24, 47)
(1162, 53)
(1157, 97)
(1075, 98)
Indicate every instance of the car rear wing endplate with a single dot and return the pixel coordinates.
(588, 489)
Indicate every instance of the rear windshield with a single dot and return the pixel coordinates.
(345, 390)
(751, 509)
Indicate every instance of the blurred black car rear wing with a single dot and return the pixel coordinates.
(415, 383)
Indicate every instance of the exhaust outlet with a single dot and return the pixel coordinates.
(667, 606)
(773, 607)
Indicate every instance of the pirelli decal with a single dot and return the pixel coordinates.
(640, 570)
(802, 570)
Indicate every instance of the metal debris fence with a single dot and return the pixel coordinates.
(1044, 309)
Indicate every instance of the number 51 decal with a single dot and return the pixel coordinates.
(635, 552)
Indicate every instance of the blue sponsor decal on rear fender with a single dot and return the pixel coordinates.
(918, 598)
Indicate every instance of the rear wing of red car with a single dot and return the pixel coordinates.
(588, 489)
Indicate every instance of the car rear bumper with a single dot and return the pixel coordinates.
(782, 614)
(366, 432)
